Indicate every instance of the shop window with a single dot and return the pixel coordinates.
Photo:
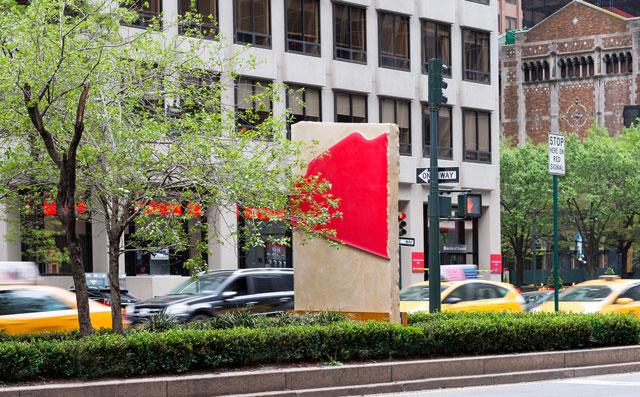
(393, 41)
(476, 57)
(350, 108)
(208, 12)
(398, 112)
(477, 136)
(148, 12)
(350, 33)
(303, 26)
(273, 253)
(445, 134)
(436, 43)
(252, 22)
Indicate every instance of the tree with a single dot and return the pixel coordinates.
(594, 189)
(124, 149)
(524, 186)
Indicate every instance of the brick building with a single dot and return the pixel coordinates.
(572, 68)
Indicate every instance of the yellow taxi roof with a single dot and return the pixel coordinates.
(456, 282)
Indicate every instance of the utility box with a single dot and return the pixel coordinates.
(445, 206)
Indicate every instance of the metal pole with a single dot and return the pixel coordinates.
(555, 240)
(400, 267)
(434, 215)
(534, 248)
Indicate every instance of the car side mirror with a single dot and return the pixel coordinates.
(229, 294)
(451, 300)
(623, 301)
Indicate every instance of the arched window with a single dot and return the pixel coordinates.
(525, 71)
(563, 68)
(590, 65)
(545, 68)
(629, 63)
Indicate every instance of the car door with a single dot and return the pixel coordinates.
(491, 297)
(35, 310)
(632, 292)
(460, 299)
(274, 292)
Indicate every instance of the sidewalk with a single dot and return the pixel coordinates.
(388, 377)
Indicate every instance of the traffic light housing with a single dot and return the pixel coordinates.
(402, 224)
(437, 85)
(470, 205)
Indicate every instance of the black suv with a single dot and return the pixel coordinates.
(265, 291)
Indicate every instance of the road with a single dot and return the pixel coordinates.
(620, 385)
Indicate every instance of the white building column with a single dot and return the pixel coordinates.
(9, 249)
(222, 242)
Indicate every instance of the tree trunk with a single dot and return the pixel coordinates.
(79, 279)
(114, 286)
(592, 252)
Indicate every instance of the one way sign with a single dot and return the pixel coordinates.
(445, 175)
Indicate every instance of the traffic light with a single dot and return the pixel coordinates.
(402, 224)
(436, 82)
(470, 205)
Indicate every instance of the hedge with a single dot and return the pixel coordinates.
(200, 348)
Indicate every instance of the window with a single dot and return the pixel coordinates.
(148, 12)
(253, 105)
(480, 1)
(207, 11)
(21, 301)
(304, 103)
(201, 93)
(393, 39)
(436, 43)
(510, 1)
(303, 26)
(445, 136)
(510, 23)
(350, 108)
(632, 293)
(461, 294)
(488, 291)
(398, 112)
(269, 283)
(252, 22)
(477, 136)
(476, 56)
(350, 33)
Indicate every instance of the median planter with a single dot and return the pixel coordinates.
(210, 346)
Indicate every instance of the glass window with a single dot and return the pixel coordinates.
(148, 12)
(207, 12)
(398, 112)
(510, 23)
(350, 33)
(200, 93)
(445, 134)
(303, 26)
(464, 293)
(393, 41)
(418, 293)
(632, 293)
(20, 301)
(476, 56)
(436, 43)
(488, 291)
(252, 22)
(586, 293)
(477, 136)
(304, 103)
(480, 1)
(510, 1)
(253, 103)
(203, 284)
(350, 108)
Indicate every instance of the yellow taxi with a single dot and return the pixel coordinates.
(40, 308)
(462, 296)
(608, 294)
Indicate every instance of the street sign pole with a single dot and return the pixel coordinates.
(555, 240)
(556, 167)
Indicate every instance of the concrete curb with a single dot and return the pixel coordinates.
(388, 377)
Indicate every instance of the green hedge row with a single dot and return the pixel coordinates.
(180, 350)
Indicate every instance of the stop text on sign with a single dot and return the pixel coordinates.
(556, 154)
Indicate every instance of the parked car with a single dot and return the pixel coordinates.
(39, 308)
(463, 295)
(103, 295)
(264, 290)
(535, 298)
(608, 294)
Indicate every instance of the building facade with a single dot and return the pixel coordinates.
(564, 80)
(509, 15)
(366, 61)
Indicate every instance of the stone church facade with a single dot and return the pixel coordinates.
(577, 67)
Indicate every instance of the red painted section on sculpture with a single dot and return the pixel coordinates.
(357, 170)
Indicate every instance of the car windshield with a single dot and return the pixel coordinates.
(585, 293)
(418, 293)
(203, 285)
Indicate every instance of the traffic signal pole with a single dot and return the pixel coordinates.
(436, 85)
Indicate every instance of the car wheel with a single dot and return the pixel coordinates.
(199, 317)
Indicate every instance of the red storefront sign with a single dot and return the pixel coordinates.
(496, 263)
(417, 262)
(260, 213)
(50, 208)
